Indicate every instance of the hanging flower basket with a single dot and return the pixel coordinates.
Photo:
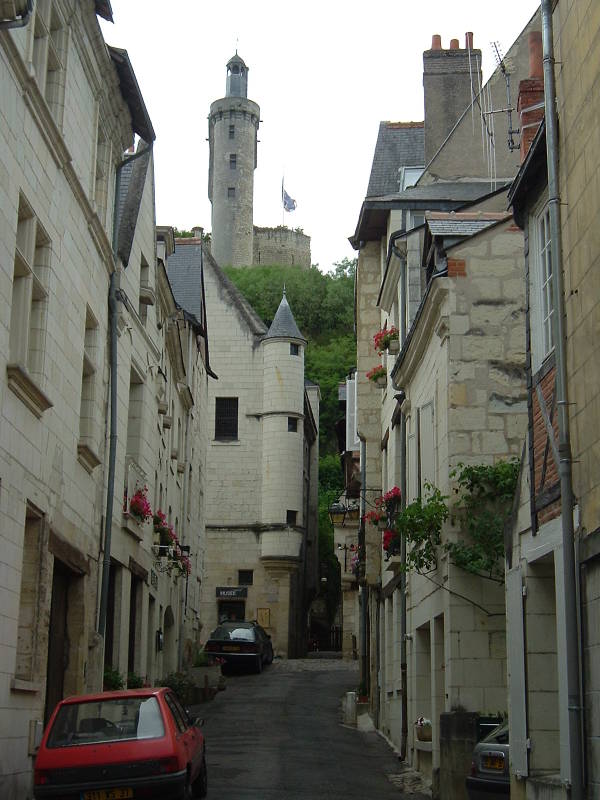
(386, 339)
(378, 376)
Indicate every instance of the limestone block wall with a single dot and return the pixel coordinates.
(577, 95)
(281, 246)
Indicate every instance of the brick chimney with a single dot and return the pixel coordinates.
(530, 105)
(447, 88)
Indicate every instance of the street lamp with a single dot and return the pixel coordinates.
(339, 512)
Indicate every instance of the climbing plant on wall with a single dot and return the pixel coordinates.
(485, 494)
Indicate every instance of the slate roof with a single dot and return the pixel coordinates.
(457, 223)
(140, 119)
(183, 269)
(399, 144)
(284, 325)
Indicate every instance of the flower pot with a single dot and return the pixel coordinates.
(381, 382)
(423, 733)
(393, 347)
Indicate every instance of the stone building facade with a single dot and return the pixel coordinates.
(260, 557)
(70, 109)
(233, 125)
(441, 262)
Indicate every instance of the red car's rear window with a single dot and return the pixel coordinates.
(107, 720)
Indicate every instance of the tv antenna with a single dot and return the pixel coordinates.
(512, 144)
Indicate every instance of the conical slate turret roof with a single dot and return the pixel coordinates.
(284, 325)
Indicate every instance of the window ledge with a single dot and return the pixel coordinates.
(20, 685)
(226, 441)
(147, 295)
(27, 390)
(87, 457)
(132, 526)
(425, 747)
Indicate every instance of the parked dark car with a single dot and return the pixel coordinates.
(489, 776)
(241, 642)
(115, 745)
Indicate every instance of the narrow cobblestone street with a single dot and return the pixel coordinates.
(281, 735)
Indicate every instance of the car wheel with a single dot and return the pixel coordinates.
(187, 792)
(270, 658)
(200, 785)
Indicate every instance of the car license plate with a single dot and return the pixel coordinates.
(107, 794)
(230, 648)
(493, 762)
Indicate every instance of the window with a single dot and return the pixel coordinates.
(146, 293)
(135, 414)
(226, 418)
(245, 577)
(231, 191)
(29, 309)
(102, 168)
(177, 712)
(409, 176)
(49, 56)
(88, 430)
(29, 599)
(294, 350)
(232, 161)
(541, 286)
(290, 517)
(292, 424)
(232, 131)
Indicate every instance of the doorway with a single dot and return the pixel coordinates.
(231, 610)
(58, 640)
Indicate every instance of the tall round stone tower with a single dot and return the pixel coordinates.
(283, 421)
(232, 134)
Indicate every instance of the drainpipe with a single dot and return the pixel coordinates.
(19, 23)
(564, 440)
(112, 325)
(361, 543)
(403, 626)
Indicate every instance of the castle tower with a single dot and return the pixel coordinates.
(283, 420)
(232, 134)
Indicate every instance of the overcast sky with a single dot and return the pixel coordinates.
(323, 73)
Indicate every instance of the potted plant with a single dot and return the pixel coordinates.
(378, 376)
(112, 680)
(423, 729)
(387, 339)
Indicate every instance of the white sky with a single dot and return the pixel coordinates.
(323, 73)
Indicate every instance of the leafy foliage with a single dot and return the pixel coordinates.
(485, 500)
(421, 524)
(134, 681)
(113, 680)
(181, 684)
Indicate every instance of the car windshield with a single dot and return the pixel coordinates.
(106, 721)
(232, 631)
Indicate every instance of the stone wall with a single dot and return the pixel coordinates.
(281, 247)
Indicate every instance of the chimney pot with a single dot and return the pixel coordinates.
(436, 42)
(469, 40)
(197, 231)
(536, 61)
(454, 44)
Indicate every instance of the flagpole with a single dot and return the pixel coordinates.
(282, 205)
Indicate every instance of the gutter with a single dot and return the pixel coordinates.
(568, 577)
(113, 297)
(18, 23)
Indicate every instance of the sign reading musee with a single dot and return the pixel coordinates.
(231, 592)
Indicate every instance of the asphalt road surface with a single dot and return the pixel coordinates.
(281, 735)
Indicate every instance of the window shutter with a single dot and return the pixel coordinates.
(352, 440)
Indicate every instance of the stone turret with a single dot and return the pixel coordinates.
(283, 420)
(232, 133)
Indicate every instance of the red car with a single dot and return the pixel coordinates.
(132, 744)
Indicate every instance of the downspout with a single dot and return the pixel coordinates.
(184, 527)
(403, 622)
(564, 440)
(362, 632)
(112, 454)
(403, 626)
